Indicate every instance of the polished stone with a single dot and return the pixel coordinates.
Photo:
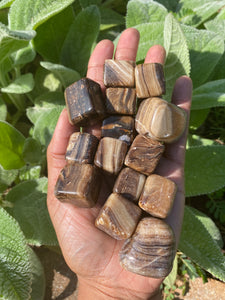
(85, 102)
(129, 184)
(144, 154)
(78, 184)
(110, 155)
(151, 249)
(81, 148)
(158, 196)
(119, 73)
(121, 101)
(160, 120)
(118, 217)
(149, 79)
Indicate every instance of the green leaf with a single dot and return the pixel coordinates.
(32, 153)
(142, 11)
(210, 94)
(23, 84)
(86, 3)
(11, 147)
(15, 268)
(204, 169)
(11, 41)
(27, 15)
(171, 278)
(6, 178)
(198, 243)
(23, 56)
(206, 48)
(197, 118)
(171, 5)
(5, 3)
(110, 18)
(195, 140)
(203, 10)
(3, 110)
(80, 39)
(177, 60)
(66, 75)
(51, 35)
(217, 26)
(38, 277)
(30, 210)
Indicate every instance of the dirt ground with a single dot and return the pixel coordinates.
(61, 282)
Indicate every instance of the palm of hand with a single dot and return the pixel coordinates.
(88, 251)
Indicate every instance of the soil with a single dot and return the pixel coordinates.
(61, 282)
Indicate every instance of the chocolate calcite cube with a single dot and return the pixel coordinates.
(149, 79)
(158, 196)
(85, 102)
(78, 184)
(118, 127)
(151, 249)
(129, 184)
(119, 73)
(144, 154)
(160, 120)
(118, 217)
(110, 155)
(81, 148)
(121, 101)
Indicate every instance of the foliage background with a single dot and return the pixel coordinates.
(40, 42)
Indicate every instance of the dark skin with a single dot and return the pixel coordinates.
(89, 252)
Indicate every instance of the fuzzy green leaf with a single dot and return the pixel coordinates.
(51, 35)
(15, 268)
(171, 278)
(32, 152)
(171, 5)
(3, 110)
(11, 41)
(177, 60)
(206, 48)
(80, 40)
(217, 26)
(11, 147)
(23, 56)
(30, 210)
(6, 177)
(204, 169)
(210, 94)
(27, 14)
(66, 75)
(23, 84)
(202, 10)
(5, 3)
(110, 18)
(197, 242)
(142, 11)
(86, 3)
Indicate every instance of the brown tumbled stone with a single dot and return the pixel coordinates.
(81, 148)
(85, 102)
(149, 79)
(119, 73)
(118, 127)
(151, 249)
(144, 154)
(160, 120)
(110, 155)
(121, 101)
(78, 184)
(118, 217)
(129, 184)
(158, 196)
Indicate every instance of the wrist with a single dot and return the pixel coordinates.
(96, 292)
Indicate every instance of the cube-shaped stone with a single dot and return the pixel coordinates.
(78, 184)
(121, 101)
(160, 120)
(110, 155)
(144, 154)
(158, 196)
(129, 184)
(119, 73)
(118, 217)
(149, 79)
(85, 102)
(119, 127)
(81, 148)
(151, 249)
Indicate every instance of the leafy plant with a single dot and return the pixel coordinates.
(38, 59)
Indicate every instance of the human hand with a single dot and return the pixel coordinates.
(89, 252)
